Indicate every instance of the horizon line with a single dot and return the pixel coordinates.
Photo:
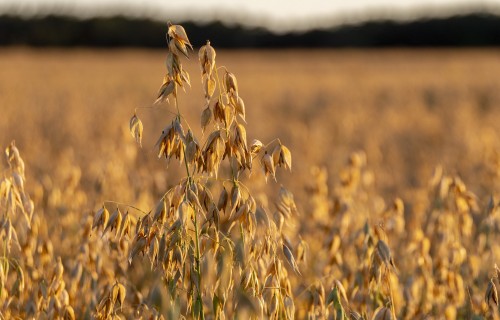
(247, 20)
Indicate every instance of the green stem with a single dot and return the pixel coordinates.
(271, 142)
(197, 257)
(155, 108)
(5, 263)
(242, 234)
(125, 205)
(198, 266)
(184, 147)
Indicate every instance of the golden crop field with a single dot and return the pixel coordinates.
(390, 209)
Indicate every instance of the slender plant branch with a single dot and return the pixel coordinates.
(125, 205)
(197, 240)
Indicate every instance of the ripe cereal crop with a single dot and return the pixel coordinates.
(244, 191)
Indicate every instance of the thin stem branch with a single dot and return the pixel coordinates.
(221, 67)
(125, 205)
(272, 141)
(197, 240)
(198, 265)
(155, 108)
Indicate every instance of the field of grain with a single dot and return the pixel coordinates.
(395, 177)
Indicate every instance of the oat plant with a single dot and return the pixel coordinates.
(219, 251)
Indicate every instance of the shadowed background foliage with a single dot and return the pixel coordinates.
(478, 29)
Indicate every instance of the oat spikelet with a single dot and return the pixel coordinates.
(14, 158)
(206, 118)
(290, 258)
(101, 218)
(136, 129)
(268, 166)
(382, 313)
(491, 293)
(384, 253)
(206, 56)
(118, 293)
(231, 84)
(178, 33)
(256, 146)
(239, 106)
(282, 157)
(167, 88)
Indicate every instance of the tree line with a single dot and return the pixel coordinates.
(478, 29)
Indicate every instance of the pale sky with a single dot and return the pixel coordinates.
(278, 15)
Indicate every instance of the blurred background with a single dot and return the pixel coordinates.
(237, 24)
(389, 108)
(412, 84)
